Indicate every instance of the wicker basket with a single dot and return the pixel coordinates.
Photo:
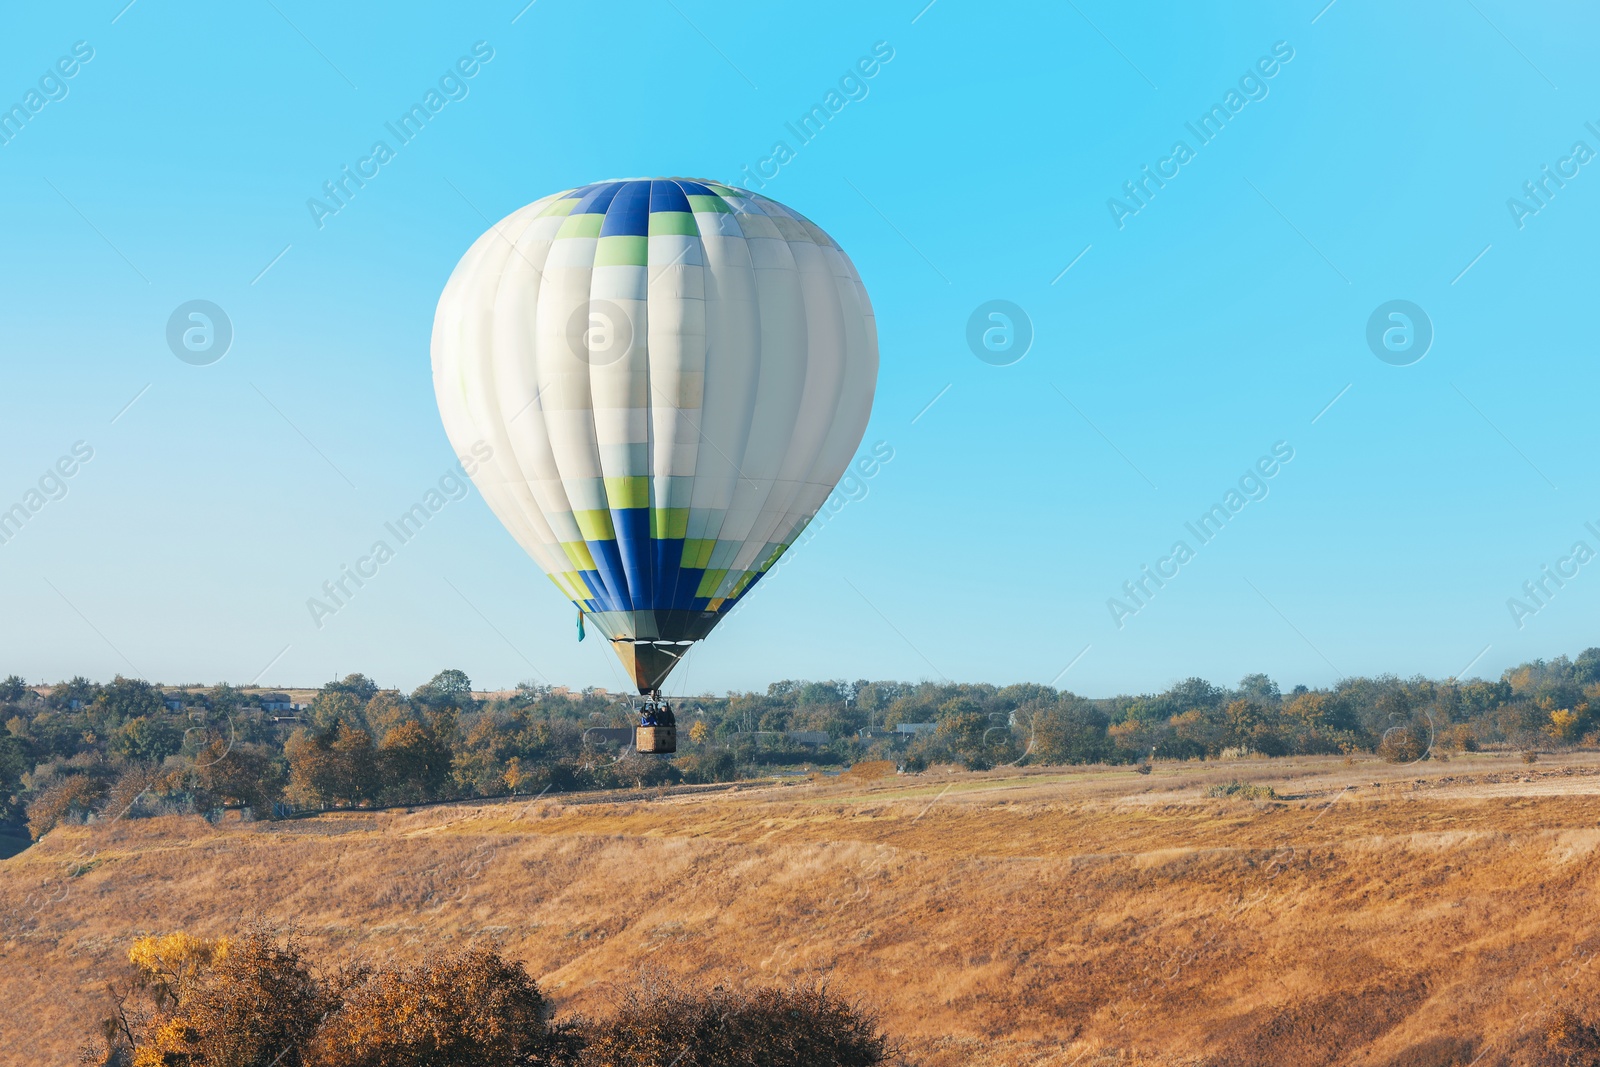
(655, 739)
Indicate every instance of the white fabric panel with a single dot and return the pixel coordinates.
(677, 354)
(733, 340)
(517, 380)
(782, 368)
(855, 398)
(464, 343)
(819, 399)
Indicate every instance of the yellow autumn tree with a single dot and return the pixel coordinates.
(251, 1000)
(515, 775)
(169, 965)
(1563, 725)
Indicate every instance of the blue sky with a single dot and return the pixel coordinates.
(1185, 342)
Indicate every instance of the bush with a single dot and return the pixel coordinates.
(253, 1002)
(803, 1026)
(1571, 1039)
(469, 1010)
(71, 797)
(1402, 745)
(871, 769)
(1243, 791)
(704, 767)
(634, 771)
(132, 788)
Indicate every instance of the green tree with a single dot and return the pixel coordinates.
(385, 711)
(358, 686)
(1070, 730)
(1259, 688)
(124, 699)
(80, 690)
(12, 689)
(333, 706)
(229, 772)
(331, 767)
(413, 763)
(14, 763)
(1198, 732)
(447, 689)
(146, 739)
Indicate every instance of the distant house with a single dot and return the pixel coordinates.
(808, 737)
(173, 701)
(915, 729)
(277, 702)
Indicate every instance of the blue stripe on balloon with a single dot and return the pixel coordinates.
(613, 581)
(665, 581)
(633, 543)
(667, 196)
(596, 202)
(628, 215)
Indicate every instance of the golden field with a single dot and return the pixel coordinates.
(1431, 914)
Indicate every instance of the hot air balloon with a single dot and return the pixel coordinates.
(669, 377)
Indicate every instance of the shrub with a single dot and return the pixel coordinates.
(71, 797)
(1242, 791)
(1402, 745)
(1571, 1039)
(634, 771)
(132, 788)
(703, 767)
(251, 1004)
(658, 1022)
(474, 1009)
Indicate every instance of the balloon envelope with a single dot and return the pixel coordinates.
(657, 383)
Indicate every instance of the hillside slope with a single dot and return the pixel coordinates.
(1420, 915)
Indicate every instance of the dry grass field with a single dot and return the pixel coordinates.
(1424, 915)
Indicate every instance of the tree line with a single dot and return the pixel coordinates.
(115, 750)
